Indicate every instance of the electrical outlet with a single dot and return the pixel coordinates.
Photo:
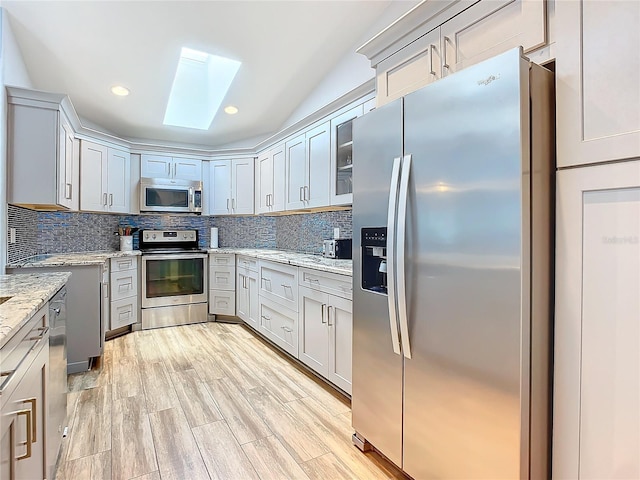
(336, 232)
(12, 235)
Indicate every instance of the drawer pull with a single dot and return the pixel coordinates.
(324, 306)
(329, 316)
(284, 285)
(27, 413)
(44, 331)
(313, 280)
(34, 422)
(287, 329)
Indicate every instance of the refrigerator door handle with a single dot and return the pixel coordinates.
(391, 254)
(400, 257)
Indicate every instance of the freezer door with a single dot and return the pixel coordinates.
(377, 371)
(466, 254)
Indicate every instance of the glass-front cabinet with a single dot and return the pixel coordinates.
(342, 156)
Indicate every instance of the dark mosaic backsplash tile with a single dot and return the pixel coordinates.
(60, 232)
(26, 224)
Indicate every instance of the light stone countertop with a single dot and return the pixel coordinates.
(70, 259)
(29, 292)
(307, 260)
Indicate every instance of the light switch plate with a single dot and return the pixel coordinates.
(12, 235)
(336, 232)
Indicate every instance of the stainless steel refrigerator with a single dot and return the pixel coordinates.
(452, 238)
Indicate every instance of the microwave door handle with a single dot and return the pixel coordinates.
(391, 261)
(400, 258)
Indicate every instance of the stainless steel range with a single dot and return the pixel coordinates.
(174, 286)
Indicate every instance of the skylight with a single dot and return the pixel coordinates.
(201, 83)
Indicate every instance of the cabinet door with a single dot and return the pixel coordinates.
(597, 334)
(413, 67)
(491, 27)
(597, 80)
(253, 310)
(340, 320)
(295, 173)
(93, 177)
(242, 297)
(318, 155)
(67, 167)
(220, 185)
(342, 155)
(155, 166)
(277, 203)
(187, 169)
(118, 180)
(242, 185)
(264, 182)
(313, 330)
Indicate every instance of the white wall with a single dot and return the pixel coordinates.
(352, 71)
(13, 71)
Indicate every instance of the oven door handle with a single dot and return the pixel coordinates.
(174, 256)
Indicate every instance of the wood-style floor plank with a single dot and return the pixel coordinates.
(272, 461)
(158, 387)
(196, 401)
(132, 443)
(174, 356)
(91, 429)
(176, 450)
(149, 476)
(92, 467)
(327, 466)
(223, 456)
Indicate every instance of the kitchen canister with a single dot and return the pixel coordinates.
(126, 243)
(214, 237)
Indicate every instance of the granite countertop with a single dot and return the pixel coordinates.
(70, 259)
(28, 292)
(307, 260)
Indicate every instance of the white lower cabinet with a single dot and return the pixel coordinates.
(247, 295)
(324, 335)
(222, 284)
(280, 325)
(123, 288)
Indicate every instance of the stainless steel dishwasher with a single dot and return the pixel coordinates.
(57, 391)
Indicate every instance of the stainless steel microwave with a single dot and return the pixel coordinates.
(171, 196)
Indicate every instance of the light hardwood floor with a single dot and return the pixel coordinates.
(207, 401)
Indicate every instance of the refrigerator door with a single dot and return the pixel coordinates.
(465, 397)
(377, 370)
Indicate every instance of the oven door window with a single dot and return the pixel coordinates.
(166, 197)
(171, 278)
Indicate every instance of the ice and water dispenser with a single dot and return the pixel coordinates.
(374, 259)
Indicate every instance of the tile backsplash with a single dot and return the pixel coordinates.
(60, 232)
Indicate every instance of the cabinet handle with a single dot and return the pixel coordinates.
(68, 188)
(329, 316)
(287, 329)
(306, 193)
(175, 170)
(284, 285)
(233, 203)
(111, 199)
(44, 331)
(104, 199)
(313, 280)
(300, 196)
(34, 422)
(324, 307)
(168, 169)
(445, 64)
(271, 199)
(227, 204)
(26, 412)
(432, 47)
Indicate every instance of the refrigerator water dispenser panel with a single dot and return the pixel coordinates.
(374, 259)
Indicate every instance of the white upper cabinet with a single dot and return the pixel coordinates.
(270, 180)
(307, 163)
(43, 155)
(231, 186)
(104, 178)
(161, 166)
(341, 156)
(597, 81)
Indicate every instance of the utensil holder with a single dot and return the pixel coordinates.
(126, 243)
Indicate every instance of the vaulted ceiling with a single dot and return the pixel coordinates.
(287, 48)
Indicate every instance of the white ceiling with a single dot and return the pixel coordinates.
(82, 48)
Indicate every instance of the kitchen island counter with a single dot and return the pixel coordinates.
(28, 293)
(307, 260)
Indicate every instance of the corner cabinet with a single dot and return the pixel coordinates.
(43, 155)
(161, 166)
(597, 78)
(307, 157)
(105, 174)
(270, 181)
(231, 184)
(597, 333)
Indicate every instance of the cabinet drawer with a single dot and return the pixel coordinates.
(280, 325)
(120, 264)
(222, 278)
(248, 263)
(124, 312)
(222, 302)
(339, 285)
(279, 283)
(222, 259)
(124, 284)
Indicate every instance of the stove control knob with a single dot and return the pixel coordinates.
(184, 235)
(146, 236)
(153, 236)
(192, 235)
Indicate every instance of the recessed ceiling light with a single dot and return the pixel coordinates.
(231, 110)
(199, 86)
(120, 90)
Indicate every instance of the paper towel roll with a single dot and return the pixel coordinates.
(214, 237)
